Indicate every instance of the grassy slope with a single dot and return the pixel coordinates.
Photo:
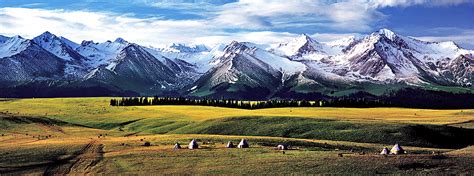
(310, 128)
(96, 112)
(21, 153)
(376, 125)
(24, 154)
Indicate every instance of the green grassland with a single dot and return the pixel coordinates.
(86, 136)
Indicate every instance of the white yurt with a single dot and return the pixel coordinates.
(384, 151)
(282, 147)
(396, 150)
(243, 144)
(177, 146)
(193, 144)
(230, 145)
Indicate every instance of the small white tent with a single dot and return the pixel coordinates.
(243, 144)
(396, 150)
(193, 144)
(282, 147)
(384, 151)
(230, 145)
(177, 146)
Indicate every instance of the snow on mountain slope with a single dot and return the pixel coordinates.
(245, 68)
(3, 38)
(382, 56)
(61, 47)
(181, 67)
(302, 45)
(342, 43)
(239, 71)
(388, 33)
(303, 64)
(280, 63)
(57, 46)
(434, 51)
(197, 55)
(100, 54)
(178, 47)
(13, 45)
(27, 61)
(258, 56)
(69, 43)
(136, 69)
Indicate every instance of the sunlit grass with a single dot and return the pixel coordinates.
(97, 110)
(122, 132)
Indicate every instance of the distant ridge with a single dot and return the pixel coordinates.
(376, 63)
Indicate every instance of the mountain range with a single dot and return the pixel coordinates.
(50, 65)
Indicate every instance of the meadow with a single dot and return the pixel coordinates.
(86, 135)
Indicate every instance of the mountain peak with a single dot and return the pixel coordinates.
(47, 34)
(234, 42)
(305, 36)
(235, 47)
(87, 42)
(387, 33)
(13, 45)
(17, 37)
(303, 39)
(45, 37)
(120, 40)
(303, 44)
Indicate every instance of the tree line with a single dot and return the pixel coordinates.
(232, 103)
(406, 98)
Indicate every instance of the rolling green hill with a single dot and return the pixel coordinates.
(85, 136)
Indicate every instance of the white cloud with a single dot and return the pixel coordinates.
(347, 15)
(262, 37)
(394, 3)
(79, 25)
(218, 24)
(353, 15)
(82, 25)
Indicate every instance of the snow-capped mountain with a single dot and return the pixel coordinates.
(135, 68)
(238, 69)
(198, 55)
(244, 69)
(384, 56)
(300, 46)
(12, 45)
(22, 60)
(57, 46)
(63, 48)
(101, 54)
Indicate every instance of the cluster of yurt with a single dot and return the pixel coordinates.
(396, 150)
(194, 145)
(242, 144)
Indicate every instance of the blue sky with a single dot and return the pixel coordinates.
(159, 22)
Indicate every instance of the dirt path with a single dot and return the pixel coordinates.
(81, 162)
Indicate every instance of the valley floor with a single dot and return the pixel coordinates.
(86, 136)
